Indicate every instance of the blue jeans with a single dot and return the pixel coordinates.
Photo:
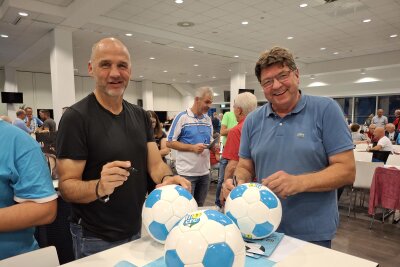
(200, 185)
(86, 245)
(222, 165)
(323, 243)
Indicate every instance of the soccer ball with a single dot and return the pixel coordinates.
(164, 207)
(255, 209)
(205, 238)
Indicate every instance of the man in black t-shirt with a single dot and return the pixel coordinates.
(99, 139)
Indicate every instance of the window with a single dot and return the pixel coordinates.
(363, 107)
(389, 104)
(346, 104)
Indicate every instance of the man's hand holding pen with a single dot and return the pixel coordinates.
(199, 148)
(114, 174)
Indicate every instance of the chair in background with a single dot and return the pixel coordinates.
(393, 160)
(363, 156)
(385, 191)
(44, 257)
(364, 175)
(380, 156)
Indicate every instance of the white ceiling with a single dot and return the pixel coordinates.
(217, 35)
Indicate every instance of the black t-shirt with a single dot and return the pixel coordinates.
(89, 132)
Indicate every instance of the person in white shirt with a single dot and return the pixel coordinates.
(391, 132)
(384, 144)
(379, 120)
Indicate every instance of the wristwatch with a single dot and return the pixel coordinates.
(104, 199)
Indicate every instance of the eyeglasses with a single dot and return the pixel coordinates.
(281, 77)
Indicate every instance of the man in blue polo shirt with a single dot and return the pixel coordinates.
(300, 147)
(27, 197)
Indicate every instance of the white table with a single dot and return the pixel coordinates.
(290, 252)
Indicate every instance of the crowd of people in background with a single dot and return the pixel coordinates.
(377, 129)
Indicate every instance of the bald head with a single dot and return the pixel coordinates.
(108, 43)
(379, 132)
(5, 118)
(390, 127)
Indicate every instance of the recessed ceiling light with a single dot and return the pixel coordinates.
(196, 65)
(362, 71)
(198, 75)
(191, 47)
(322, 48)
(230, 70)
(185, 24)
(188, 81)
(128, 34)
(245, 22)
(173, 79)
(316, 84)
(179, 1)
(235, 56)
(367, 20)
(290, 37)
(152, 58)
(214, 77)
(303, 5)
(4, 35)
(23, 14)
(141, 76)
(215, 94)
(165, 71)
(367, 80)
(393, 35)
(336, 53)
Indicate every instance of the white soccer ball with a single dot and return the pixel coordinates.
(164, 207)
(255, 209)
(205, 238)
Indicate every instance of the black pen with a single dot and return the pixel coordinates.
(131, 169)
(234, 181)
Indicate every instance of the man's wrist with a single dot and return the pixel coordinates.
(165, 176)
(103, 199)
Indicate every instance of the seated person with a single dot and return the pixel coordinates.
(358, 138)
(27, 196)
(370, 133)
(383, 145)
(391, 132)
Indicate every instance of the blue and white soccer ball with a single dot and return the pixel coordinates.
(205, 238)
(164, 207)
(255, 209)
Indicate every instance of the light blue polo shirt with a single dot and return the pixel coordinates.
(24, 176)
(299, 143)
(188, 128)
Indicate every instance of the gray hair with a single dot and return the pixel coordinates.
(246, 101)
(20, 112)
(202, 91)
